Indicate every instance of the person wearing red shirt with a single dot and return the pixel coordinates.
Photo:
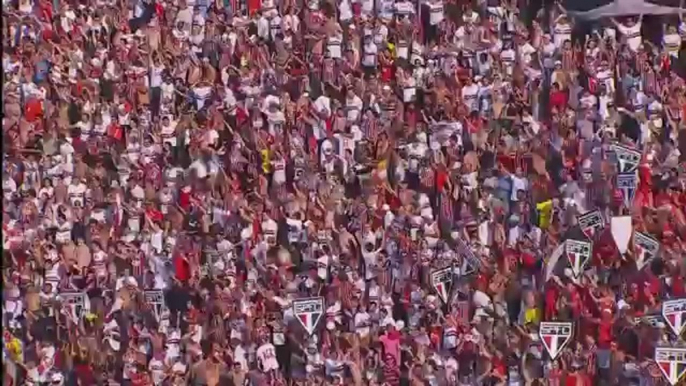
(558, 98)
(181, 268)
(575, 300)
(551, 294)
(577, 377)
(605, 324)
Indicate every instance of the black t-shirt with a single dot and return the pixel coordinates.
(487, 160)
(629, 127)
(74, 113)
(628, 341)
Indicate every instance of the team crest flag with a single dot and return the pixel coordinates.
(674, 312)
(672, 363)
(555, 336)
(645, 249)
(308, 311)
(627, 158)
(578, 253)
(652, 320)
(441, 281)
(627, 184)
(591, 223)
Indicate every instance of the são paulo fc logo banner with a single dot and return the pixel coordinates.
(674, 312)
(672, 363)
(441, 281)
(645, 249)
(555, 336)
(591, 223)
(308, 312)
(578, 252)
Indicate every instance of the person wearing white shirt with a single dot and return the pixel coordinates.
(518, 184)
(605, 76)
(275, 26)
(371, 51)
(291, 22)
(266, 357)
(362, 323)
(77, 192)
(353, 106)
(201, 93)
(671, 41)
(345, 11)
(263, 28)
(470, 17)
(470, 93)
(562, 31)
(367, 7)
(435, 12)
(508, 56)
(526, 51)
(385, 9)
(631, 31)
(605, 101)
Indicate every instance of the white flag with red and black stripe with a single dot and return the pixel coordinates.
(555, 336)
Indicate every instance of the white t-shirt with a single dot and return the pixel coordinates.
(263, 27)
(562, 33)
(525, 52)
(367, 7)
(294, 230)
(470, 96)
(353, 107)
(517, 185)
(77, 193)
(275, 26)
(333, 46)
(279, 176)
(266, 357)
(345, 11)
(370, 52)
(168, 133)
(435, 12)
(370, 260)
(269, 228)
(156, 368)
(156, 76)
(632, 34)
(323, 267)
(672, 43)
(362, 323)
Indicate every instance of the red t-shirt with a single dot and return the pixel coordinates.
(33, 109)
(550, 302)
(558, 99)
(183, 271)
(576, 303)
(185, 199)
(577, 380)
(605, 334)
(386, 73)
(678, 288)
(441, 178)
